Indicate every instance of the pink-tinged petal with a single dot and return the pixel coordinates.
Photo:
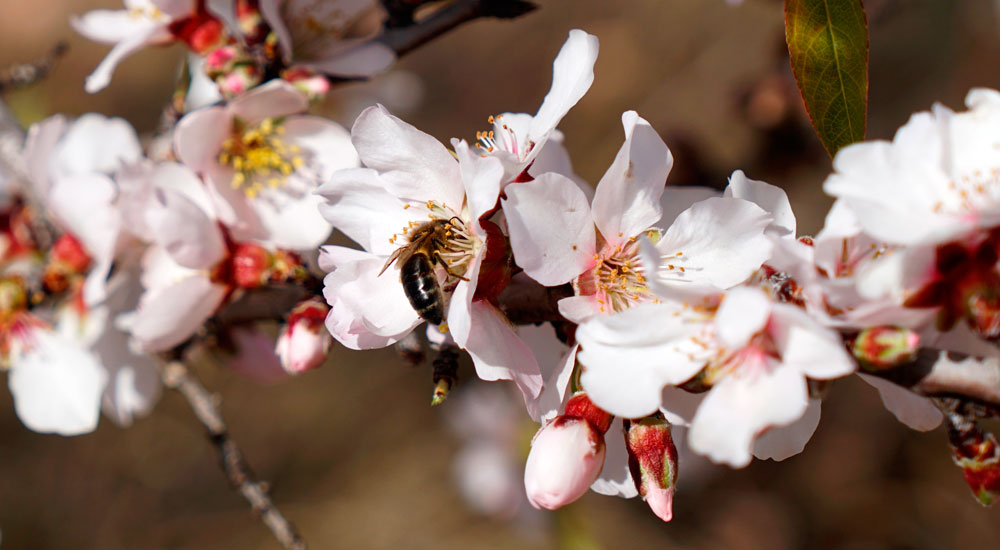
(678, 199)
(179, 178)
(625, 368)
(109, 26)
(96, 143)
(551, 230)
(482, 177)
(255, 356)
(57, 386)
(740, 407)
(39, 147)
(83, 206)
(173, 9)
(291, 222)
(101, 76)
(224, 10)
(818, 352)
(555, 362)
(331, 257)
(232, 206)
(572, 75)
(361, 60)
(488, 478)
(744, 312)
(580, 308)
(718, 242)
(627, 200)
(412, 164)
(497, 352)
(358, 206)
(168, 315)
(367, 310)
(329, 143)
(190, 237)
(772, 199)
(914, 410)
(277, 98)
(787, 441)
(198, 137)
(615, 478)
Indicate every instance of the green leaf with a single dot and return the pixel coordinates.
(828, 46)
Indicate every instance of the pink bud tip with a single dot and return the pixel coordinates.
(661, 502)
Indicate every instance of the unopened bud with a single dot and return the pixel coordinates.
(66, 259)
(315, 86)
(979, 458)
(251, 265)
(885, 347)
(653, 461)
(304, 341)
(566, 456)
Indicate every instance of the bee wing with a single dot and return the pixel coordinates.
(395, 256)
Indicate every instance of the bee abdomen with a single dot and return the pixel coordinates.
(422, 289)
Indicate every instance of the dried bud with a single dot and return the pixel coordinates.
(653, 461)
(66, 259)
(885, 347)
(304, 341)
(314, 85)
(566, 456)
(979, 457)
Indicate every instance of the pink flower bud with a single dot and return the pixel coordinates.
(653, 456)
(885, 347)
(566, 456)
(304, 341)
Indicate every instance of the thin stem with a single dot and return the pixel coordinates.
(205, 406)
(407, 38)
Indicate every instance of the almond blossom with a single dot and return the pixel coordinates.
(145, 23)
(261, 160)
(410, 180)
(518, 139)
(334, 38)
(754, 354)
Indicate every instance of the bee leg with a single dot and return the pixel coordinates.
(447, 268)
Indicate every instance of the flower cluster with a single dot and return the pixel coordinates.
(664, 306)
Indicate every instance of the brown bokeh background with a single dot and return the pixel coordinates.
(357, 458)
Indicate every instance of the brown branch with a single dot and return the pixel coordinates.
(407, 38)
(25, 74)
(205, 405)
(936, 373)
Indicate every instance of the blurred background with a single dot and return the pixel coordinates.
(358, 459)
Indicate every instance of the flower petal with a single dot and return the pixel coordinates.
(277, 98)
(627, 200)
(615, 478)
(101, 76)
(412, 164)
(572, 75)
(168, 315)
(787, 441)
(551, 230)
(769, 197)
(914, 410)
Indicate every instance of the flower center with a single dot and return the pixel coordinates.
(503, 138)
(969, 192)
(446, 238)
(617, 280)
(755, 358)
(259, 157)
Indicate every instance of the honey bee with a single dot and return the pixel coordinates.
(417, 260)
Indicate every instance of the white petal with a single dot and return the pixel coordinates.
(772, 199)
(167, 316)
(718, 242)
(413, 164)
(101, 76)
(39, 147)
(57, 386)
(109, 26)
(627, 200)
(96, 143)
(134, 380)
(358, 206)
(678, 199)
(818, 352)
(628, 357)
(743, 312)
(578, 309)
(198, 137)
(367, 310)
(914, 410)
(572, 75)
(787, 441)
(739, 408)
(82, 204)
(277, 98)
(615, 478)
(551, 230)
(362, 60)
(183, 229)
(291, 222)
(481, 176)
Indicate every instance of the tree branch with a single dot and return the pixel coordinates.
(405, 39)
(205, 405)
(25, 74)
(936, 373)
